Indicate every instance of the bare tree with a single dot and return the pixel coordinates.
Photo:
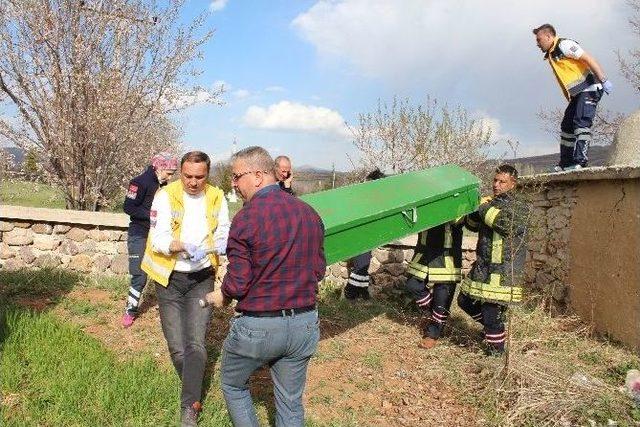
(403, 137)
(92, 83)
(6, 163)
(603, 130)
(630, 66)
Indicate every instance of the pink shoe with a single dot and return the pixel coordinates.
(127, 320)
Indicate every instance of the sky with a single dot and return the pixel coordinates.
(295, 71)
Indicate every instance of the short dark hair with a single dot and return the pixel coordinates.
(546, 28)
(196, 157)
(508, 169)
(375, 174)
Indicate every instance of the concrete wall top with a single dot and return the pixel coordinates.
(588, 174)
(64, 216)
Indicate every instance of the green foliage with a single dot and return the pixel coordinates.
(32, 194)
(54, 374)
(44, 283)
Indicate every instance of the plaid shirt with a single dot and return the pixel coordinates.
(276, 254)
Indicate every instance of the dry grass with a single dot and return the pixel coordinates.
(556, 374)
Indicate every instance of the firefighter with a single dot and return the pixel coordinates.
(434, 273)
(358, 283)
(494, 281)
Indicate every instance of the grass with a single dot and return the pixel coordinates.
(54, 373)
(31, 194)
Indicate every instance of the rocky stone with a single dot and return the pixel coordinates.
(88, 246)
(18, 237)
(69, 247)
(395, 269)
(383, 256)
(625, 150)
(374, 266)
(21, 224)
(344, 273)
(26, 254)
(121, 248)
(42, 228)
(6, 226)
(335, 270)
(114, 235)
(76, 234)
(47, 260)
(124, 236)
(14, 264)
(6, 251)
(61, 228)
(106, 247)
(97, 235)
(120, 264)
(45, 242)
(81, 262)
(101, 263)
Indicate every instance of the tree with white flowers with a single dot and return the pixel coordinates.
(92, 84)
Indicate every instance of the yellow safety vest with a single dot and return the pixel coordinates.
(572, 75)
(158, 265)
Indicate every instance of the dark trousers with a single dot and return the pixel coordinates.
(184, 324)
(490, 315)
(575, 128)
(135, 246)
(433, 297)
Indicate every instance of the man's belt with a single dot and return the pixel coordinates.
(279, 313)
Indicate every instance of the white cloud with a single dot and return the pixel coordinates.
(241, 93)
(291, 116)
(420, 38)
(217, 5)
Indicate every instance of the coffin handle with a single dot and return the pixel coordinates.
(411, 215)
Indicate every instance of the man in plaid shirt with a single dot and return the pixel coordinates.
(276, 259)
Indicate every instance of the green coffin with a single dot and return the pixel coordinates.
(361, 217)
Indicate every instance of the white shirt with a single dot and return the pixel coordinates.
(571, 49)
(194, 228)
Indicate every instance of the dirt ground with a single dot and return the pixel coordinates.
(365, 372)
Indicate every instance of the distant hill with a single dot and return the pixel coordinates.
(18, 155)
(598, 155)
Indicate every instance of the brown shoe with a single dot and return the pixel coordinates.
(427, 343)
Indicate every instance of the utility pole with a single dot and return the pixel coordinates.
(333, 175)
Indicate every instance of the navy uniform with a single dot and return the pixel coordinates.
(583, 90)
(434, 272)
(494, 281)
(137, 204)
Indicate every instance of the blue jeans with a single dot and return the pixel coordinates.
(285, 344)
(184, 324)
(135, 246)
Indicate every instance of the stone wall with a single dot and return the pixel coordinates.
(87, 242)
(584, 246)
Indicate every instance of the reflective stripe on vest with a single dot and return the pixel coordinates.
(572, 75)
(490, 216)
(492, 291)
(158, 265)
(496, 248)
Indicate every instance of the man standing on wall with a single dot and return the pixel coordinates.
(189, 228)
(582, 81)
(283, 173)
(137, 204)
(276, 260)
